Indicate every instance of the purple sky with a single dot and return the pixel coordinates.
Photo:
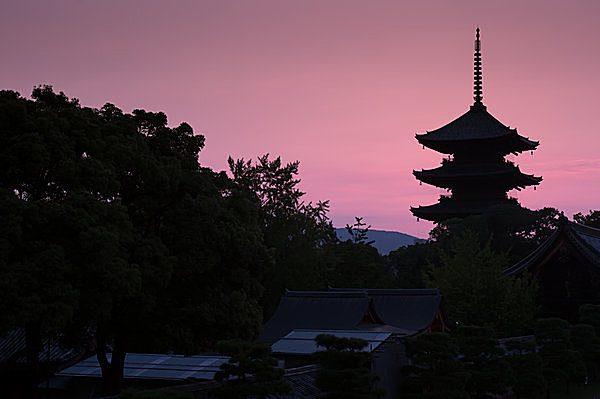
(342, 86)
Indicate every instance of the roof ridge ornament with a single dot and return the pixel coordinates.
(477, 89)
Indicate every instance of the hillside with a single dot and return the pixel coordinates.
(385, 241)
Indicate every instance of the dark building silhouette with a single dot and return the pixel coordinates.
(402, 311)
(382, 317)
(567, 268)
(476, 171)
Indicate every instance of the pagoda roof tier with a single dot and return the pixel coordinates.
(449, 208)
(450, 175)
(479, 128)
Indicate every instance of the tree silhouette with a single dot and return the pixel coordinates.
(346, 369)
(113, 232)
(476, 292)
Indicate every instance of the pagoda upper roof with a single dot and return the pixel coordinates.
(475, 125)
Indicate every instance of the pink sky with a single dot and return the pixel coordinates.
(342, 86)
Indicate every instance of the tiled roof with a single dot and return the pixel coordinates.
(398, 311)
(407, 309)
(315, 310)
(476, 125)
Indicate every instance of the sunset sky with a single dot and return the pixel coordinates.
(342, 86)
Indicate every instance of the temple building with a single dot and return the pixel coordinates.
(567, 268)
(475, 171)
(383, 318)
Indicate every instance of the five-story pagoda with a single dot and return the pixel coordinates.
(476, 171)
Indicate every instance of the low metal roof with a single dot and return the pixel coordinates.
(302, 342)
(150, 366)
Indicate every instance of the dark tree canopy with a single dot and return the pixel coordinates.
(434, 370)
(110, 224)
(562, 364)
(295, 232)
(250, 373)
(346, 369)
(477, 293)
(514, 231)
(527, 368)
(592, 218)
(490, 373)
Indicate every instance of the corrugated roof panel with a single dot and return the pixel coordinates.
(366, 335)
(303, 341)
(150, 366)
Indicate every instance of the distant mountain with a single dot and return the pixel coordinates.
(385, 241)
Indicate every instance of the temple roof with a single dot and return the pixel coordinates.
(410, 309)
(449, 174)
(476, 125)
(315, 310)
(394, 310)
(586, 239)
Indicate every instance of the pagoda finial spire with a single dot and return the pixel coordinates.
(477, 89)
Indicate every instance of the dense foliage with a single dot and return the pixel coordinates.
(111, 228)
(477, 293)
(470, 362)
(527, 368)
(250, 373)
(591, 219)
(490, 374)
(346, 372)
(434, 370)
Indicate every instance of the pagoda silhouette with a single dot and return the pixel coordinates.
(476, 171)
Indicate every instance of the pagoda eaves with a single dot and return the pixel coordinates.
(448, 208)
(451, 175)
(476, 127)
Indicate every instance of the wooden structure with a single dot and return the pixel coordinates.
(476, 171)
(382, 317)
(403, 312)
(567, 267)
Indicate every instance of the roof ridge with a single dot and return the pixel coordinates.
(588, 229)
(388, 291)
(326, 294)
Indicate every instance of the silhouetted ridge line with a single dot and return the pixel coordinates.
(388, 291)
(328, 294)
